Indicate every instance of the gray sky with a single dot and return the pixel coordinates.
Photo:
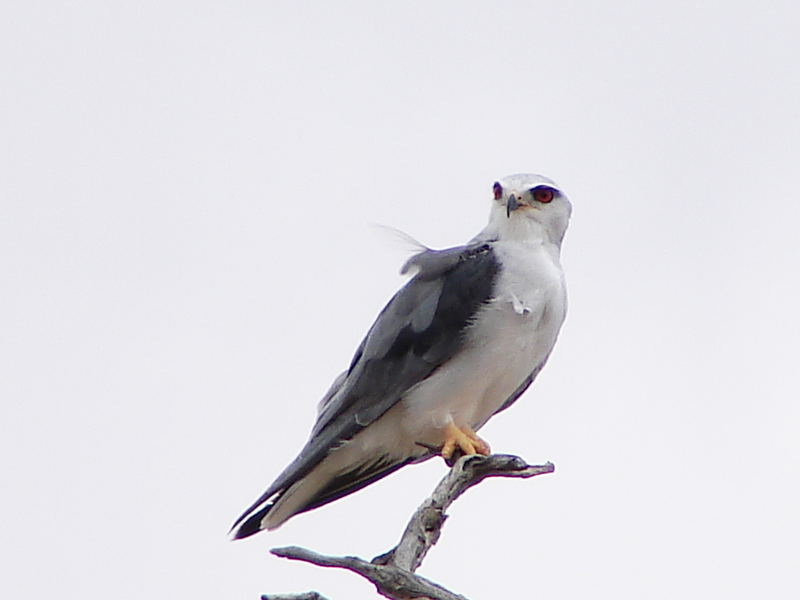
(187, 261)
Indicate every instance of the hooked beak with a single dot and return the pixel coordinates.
(512, 205)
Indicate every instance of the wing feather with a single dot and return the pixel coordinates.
(420, 329)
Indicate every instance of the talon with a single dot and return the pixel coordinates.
(463, 439)
(481, 445)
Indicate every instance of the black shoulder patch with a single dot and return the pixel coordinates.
(396, 355)
(420, 329)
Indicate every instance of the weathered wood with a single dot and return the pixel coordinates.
(392, 573)
(426, 524)
(390, 581)
(306, 596)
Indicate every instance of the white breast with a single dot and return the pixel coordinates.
(512, 335)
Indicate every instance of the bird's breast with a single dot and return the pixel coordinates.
(509, 338)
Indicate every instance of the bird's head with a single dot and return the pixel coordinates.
(528, 205)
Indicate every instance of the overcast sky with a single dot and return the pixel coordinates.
(188, 258)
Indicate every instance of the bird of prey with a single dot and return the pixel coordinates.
(461, 341)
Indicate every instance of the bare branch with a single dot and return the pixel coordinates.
(424, 528)
(393, 572)
(390, 581)
(306, 596)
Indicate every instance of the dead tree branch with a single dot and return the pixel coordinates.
(390, 581)
(393, 572)
(306, 596)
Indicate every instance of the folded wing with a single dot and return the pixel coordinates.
(418, 331)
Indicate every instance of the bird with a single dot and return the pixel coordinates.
(458, 343)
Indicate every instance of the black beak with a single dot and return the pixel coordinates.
(511, 205)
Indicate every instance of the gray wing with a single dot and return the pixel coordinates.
(419, 330)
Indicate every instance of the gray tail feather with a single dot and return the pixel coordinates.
(251, 525)
(342, 485)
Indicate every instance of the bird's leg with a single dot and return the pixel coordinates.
(463, 439)
(481, 445)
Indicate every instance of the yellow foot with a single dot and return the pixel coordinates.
(463, 439)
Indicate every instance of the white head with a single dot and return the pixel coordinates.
(529, 207)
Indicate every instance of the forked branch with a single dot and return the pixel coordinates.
(393, 572)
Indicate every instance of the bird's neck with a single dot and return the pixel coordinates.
(520, 229)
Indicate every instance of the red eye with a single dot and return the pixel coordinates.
(543, 194)
(498, 190)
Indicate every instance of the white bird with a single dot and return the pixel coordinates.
(461, 341)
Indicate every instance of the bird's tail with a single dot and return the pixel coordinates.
(325, 483)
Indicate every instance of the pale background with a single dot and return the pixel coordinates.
(187, 261)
